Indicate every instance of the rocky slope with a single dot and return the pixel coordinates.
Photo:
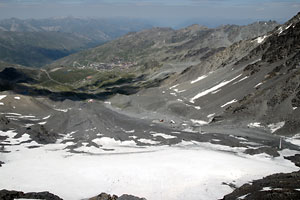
(277, 95)
(253, 83)
(11, 195)
(278, 186)
(160, 45)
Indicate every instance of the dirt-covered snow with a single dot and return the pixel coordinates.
(189, 170)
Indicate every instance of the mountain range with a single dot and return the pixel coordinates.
(159, 102)
(35, 42)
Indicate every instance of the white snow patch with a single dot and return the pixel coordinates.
(111, 142)
(131, 131)
(42, 123)
(69, 135)
(276, 126)
(148, 141)
(25, 137)
(2, 96)
(179, 91)
(47, 117)
(174, 86)
(107, 102)
(240, 80)
(11, 138)
(211, 115)
(255, 125)
(89, 149)
(199, 122)
(280, 30)
(294, 108)
(197, 107)
(288, 26)
(190, 130)
(61, 110)
(174, 94)
(215, 92)
(266, 189)
(230, 102)
(261, 39)
(28, 125)
(255, 61)
(17, 98)
(258, 85)
(9, 134)
(210, 90)
(243, 197)
(180, 100)
(164, 135)
(294, 140)
(288, 152)
(1, 104)
(27, 116)
(91, 129)
(12, 114)
(198, 79)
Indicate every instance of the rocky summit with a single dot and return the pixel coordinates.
(194, 113)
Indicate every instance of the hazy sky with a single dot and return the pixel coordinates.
(165, 11)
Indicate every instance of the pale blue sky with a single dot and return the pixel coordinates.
(168, 12)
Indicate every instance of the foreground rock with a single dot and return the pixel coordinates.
(275, 187)
(104, 196)
(11, 195)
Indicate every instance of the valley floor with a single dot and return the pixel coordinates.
(130, 156)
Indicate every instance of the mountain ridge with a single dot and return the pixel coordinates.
(39, 42)
(168, 45)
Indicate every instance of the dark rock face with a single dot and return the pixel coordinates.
(270, 151)
(104, 196)
(275, 187)
(4, 121)
(129, 197)
(42, 135)
(295, 159)
(13, 75)
(11, 195)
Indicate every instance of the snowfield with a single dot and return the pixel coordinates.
(188, 170)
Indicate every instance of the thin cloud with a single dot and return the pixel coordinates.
(214, 12)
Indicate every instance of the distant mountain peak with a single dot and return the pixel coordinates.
(196, 27)
(295, 19)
